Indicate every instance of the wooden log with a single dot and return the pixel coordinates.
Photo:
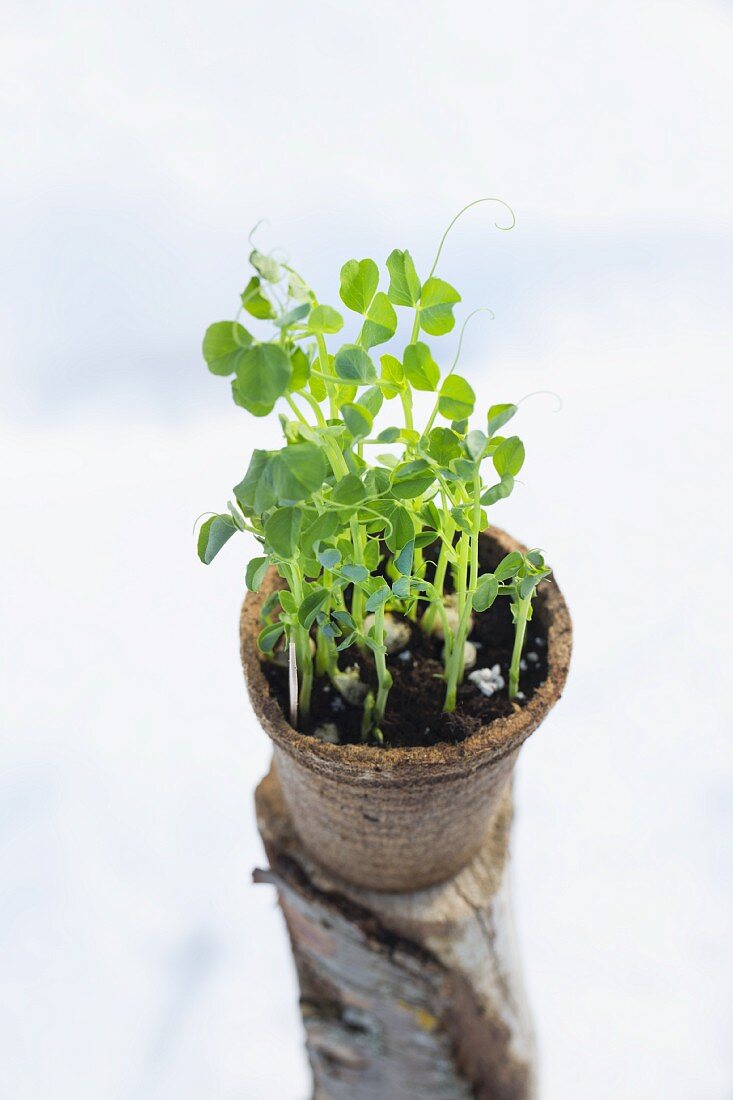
(404, 995)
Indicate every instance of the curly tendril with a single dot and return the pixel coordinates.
(504, 228)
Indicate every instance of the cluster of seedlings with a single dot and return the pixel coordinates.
(374, 530)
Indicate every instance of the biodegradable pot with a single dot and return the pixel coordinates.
(401, 819)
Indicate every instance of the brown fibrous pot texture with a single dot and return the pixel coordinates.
(401, 818)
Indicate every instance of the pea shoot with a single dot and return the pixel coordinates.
(366, 523)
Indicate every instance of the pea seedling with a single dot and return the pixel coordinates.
(349, 533)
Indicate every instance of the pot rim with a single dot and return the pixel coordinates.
(363, 762)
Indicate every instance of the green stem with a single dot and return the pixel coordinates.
(320, 419)
(323, 359)
(521, 614)
(406, 399)
(302, 649)
(357, 598)
(384, 676)
(468, 559)
(454, 668)
(296, 410)
(305, 666)
(428, 619)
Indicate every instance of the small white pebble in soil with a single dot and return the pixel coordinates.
(533, 658)
(469, 656)
(406, 655)
(487, 680)
(350, 686)
(523, 666)
(326, 687)
(396, 632)
(337, 703)
(327, 732)
(451, 614)
(539, 642)
(520, 695)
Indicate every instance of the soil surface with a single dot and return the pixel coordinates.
(414, 714)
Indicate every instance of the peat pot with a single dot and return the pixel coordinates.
(401, 819)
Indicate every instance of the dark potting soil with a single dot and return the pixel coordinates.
(414, 714)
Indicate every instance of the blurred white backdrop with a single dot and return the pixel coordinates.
(141, 143)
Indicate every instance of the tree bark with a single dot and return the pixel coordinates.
(404, 995)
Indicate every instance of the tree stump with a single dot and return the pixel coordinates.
(408, 995)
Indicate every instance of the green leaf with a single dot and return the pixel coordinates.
(443, 445)
(344, 619)
(329, 558)
(536, 558)
(322, 528)
(409, 481)
(420, 368)
(223, 345)
(404, 285)
(379, 597)
(270, 636)
(255, 573)
(301, 369)
(298, 289)
(436, 307)
(213, 534)
(460, 517)
(403, 561)
(381, 322)
(371, 554)
(498, 415)
(509, 456)
(324, 319)
(282, 530)
(355, 573)
(236, 516)
(401, 588)
(402, 530)
(389, 435)
(265, 266)
(392, 372)
(311, 605)
(456, 399)
(357, 419)
(359, 282)
(352, 364)
(486, 592)
(297, 313)
(476, 444)
(372, 399)
(300, 471)
(527, 585)
(500, 491)
(316, 385)
(255, 302)
(255, 493)
(464, 468)
(263, 375)
(287, 602)
(430, 515)
(508, 566)
(349, 490)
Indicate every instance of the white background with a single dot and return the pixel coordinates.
(142, 142)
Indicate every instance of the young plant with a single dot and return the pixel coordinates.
(351, 526)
